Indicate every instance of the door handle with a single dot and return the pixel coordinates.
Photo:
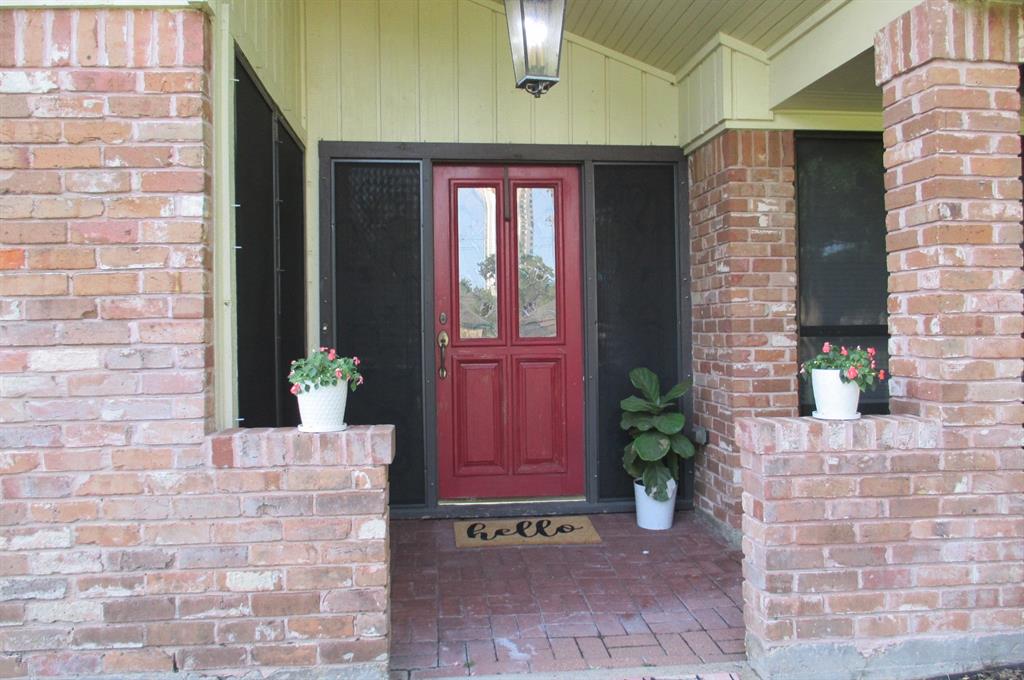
(442, 342)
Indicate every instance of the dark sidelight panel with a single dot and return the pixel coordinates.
(378, 283)
(270, 279)
(841, 237)
(637, 303)
(292, 263)
(254, 254)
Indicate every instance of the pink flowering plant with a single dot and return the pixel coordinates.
(855, 365)
(324, 368)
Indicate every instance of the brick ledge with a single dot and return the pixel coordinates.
(272, 447)
(763, 436)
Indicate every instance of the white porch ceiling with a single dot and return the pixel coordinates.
(667, 33)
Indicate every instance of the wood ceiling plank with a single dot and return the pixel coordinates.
(652, 25)
(694, 33)
(752, 21)
(613, 12)
(635, 23)
(788, 22)
(667, 33)
(778, 14)
(652, 49)
(713, 25)
(734, 23)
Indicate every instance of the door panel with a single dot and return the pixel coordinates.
(479, 424)
(508, 298)
(540, 444)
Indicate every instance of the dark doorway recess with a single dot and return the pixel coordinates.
(269, 255)
(841, 243)
(377, 297)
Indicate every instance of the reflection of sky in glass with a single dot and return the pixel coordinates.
(536, 236)
(537, 226)
(476, 231)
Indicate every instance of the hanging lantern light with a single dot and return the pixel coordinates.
(535, 33)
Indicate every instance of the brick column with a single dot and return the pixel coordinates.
(104, 328)
(952, 117)
(743, 255)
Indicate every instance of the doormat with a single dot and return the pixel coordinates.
(483, 533)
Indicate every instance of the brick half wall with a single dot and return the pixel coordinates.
(872, 550)
(272, 555)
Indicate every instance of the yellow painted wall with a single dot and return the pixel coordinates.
(440, 71)
(270, 35)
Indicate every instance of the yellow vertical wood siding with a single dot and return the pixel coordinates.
(270, 35)
(440, 71)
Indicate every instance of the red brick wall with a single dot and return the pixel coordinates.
(104, 258)
(272, 553)
(743, 261)
(872, 532)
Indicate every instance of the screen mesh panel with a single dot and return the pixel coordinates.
(378, 271)
(637, 303)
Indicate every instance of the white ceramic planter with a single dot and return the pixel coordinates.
(323, 408)
(834, 399)
(652, 514)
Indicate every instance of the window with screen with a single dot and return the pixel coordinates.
(841, 247)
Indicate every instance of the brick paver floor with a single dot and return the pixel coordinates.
(639, 598)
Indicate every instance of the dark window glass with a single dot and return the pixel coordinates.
(292, 270)
(378, 282)
(254, 255)
(841, 236)
(637, 303)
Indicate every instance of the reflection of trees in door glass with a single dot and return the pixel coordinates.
(538, 312)
(478, 245)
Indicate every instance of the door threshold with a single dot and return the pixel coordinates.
(510, 501)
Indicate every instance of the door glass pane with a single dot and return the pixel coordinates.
(538, 313)
(478, 262)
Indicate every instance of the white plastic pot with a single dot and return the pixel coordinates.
(834, 399)
(653, 514)
(323, 408)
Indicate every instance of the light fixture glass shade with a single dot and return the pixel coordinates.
(535, 34)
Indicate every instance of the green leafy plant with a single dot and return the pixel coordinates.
(854, 365)
(322, 368)
(655, 426)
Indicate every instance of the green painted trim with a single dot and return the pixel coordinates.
(796, 119)
(225, 364)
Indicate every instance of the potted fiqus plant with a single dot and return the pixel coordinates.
(322, 382)
(657, 445)
(838, 375)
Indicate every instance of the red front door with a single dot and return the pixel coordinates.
(508, 331)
